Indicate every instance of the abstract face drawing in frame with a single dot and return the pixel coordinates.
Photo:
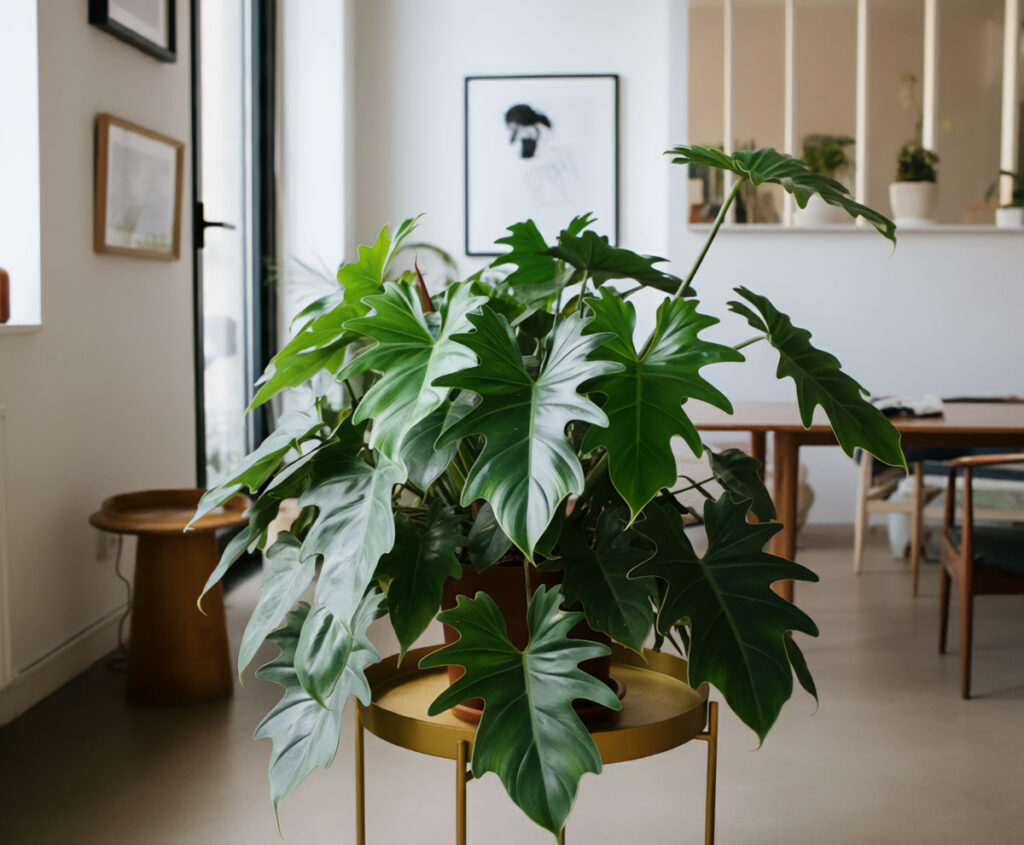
(543, 148)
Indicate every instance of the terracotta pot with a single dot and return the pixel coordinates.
(504, 583)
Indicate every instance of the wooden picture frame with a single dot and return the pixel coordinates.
(154, 34)
(543, 147)
(139, 176)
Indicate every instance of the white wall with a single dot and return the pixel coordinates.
(100, 400)
(941, 314)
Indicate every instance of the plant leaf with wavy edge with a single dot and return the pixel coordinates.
(417, 567)
(820, 381)
(737, 624)
(409, 354)
(769, 165)
(285, 578)
(593, 256)
(645, 400)
(527, 465)
(529, 734)
(292, 429)
(260, 513)
(321, 343)
(737, 472)
(486, 543)
(596, 576)
(353, 528)
(422, 457)
(305, 733)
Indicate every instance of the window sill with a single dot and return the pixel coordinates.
(852, 228)
(6, 329)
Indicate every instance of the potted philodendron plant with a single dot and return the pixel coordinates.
(827, 156)
(471, 419)
(1009, 215)
(912, 195)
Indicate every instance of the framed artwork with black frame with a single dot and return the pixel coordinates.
(540, 147)
(146, 24)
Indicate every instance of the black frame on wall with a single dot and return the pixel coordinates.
(99, 16)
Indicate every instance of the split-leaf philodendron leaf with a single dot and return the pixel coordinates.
(737, 624)
(595, 258)
(527, 466)
(529, 734)
(645, 396)
(739, 474)
(820, 381)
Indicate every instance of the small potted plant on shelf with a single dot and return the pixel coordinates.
(912, 195)
(1011, 214)
(827, 156)
(510, 424)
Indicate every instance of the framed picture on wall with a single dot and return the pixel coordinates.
(146, 24)
(544, 148)
(138, 191)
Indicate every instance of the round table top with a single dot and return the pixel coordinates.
(660, 710)
(165, 512)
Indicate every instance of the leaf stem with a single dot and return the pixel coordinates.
(740, 346)
(719, 220)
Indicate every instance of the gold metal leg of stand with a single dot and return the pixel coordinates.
(360, 784)
(461, 761)
(711, 737)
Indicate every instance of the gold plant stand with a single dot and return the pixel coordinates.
(660, 712)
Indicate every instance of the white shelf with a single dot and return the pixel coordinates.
(852, 229)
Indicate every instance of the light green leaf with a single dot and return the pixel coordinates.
(768, 165)
(285, 578)
(304, 732)
(737, 472)
(527, 465)
(737, 624)
(416, 569)
(596, 576)
(261, 513)
(820, 381)
(411, 351)
(529, 734)
(645, 400)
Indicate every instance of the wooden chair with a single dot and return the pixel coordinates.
(982, 559)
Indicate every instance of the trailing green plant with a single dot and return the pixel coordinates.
(914, 163)
(470, 419)
(826, 154)
(1016, 198)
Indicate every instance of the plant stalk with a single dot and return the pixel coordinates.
(719, 220)
(740, 346)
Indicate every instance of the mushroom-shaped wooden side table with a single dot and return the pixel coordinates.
(177, 655)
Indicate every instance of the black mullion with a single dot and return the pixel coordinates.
(199, 370)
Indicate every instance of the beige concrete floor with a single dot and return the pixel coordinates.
(892, 755)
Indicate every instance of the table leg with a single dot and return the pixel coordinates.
(461, 761)
(360, 782)
(787, 473)
(916, 526)
(759, 449)
(711, 737)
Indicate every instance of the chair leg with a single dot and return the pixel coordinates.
(944, 583)
(860, 518)
(916, 517)
(966, 638)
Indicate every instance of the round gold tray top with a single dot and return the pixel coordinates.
(165, 512)
(661, 711)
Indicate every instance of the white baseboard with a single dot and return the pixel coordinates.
(51, 672)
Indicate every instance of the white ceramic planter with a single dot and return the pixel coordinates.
(820, 213)
(912, 203)
(1010, 218)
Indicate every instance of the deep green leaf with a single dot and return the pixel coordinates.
(486, 543)
(421, 455)
(538, 277)
(595, 575)
(820, 381)
(353, 528)
(769, 165)
(737, 623)
(799, 662)
(737, 472)
(304, 732)
(644, 405)
(285, 578)
(594, 257)
(411, 351)
(527, 466)
(529, 734)
(416, 569)
(321, 344)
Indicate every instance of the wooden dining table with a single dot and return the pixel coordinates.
(962, 424)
